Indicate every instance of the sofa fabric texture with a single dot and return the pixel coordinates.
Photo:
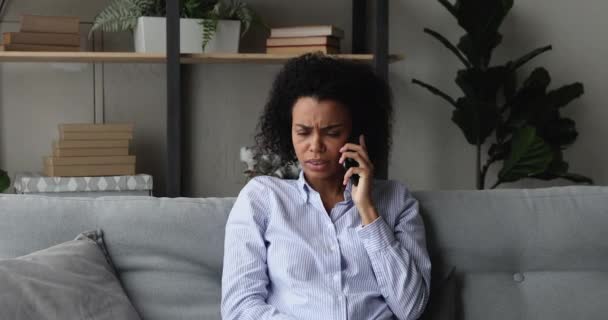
(71, 280)
(517, 253)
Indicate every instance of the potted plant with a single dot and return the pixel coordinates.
(530, 133)
(205, 26)
(5, 181)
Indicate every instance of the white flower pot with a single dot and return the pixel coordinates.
(150, 36)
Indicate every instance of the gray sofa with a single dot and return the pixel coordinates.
(518, 254)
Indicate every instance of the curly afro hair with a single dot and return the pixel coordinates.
(352, 84)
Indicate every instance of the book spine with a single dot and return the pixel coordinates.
(50, 24)
(302, 50)
(90, 127)
(303, 41)
(90, 152)
(96, 136)
(78, 144)
(35, 47)
(68, 161)
(318, 31)
(53, 39)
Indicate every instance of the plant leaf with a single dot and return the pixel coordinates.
(482, 85)
(5, 181)
(451, 8)
(209, 28)
(479, 50)
(529, 155)
(528, 102)
(476, 119)
(574, 177)
(436, 91)
(448, 45)
(559, 169)
(560, 97)
(121, 15)
(523, 60)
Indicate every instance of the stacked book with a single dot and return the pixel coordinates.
(44, 33)
(304, 39)
(89, 150)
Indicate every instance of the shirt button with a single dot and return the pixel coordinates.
(337, 277)
(333, 248)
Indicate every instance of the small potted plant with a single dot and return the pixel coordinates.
(205, 26)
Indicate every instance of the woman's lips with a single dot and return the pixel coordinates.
(317, 165)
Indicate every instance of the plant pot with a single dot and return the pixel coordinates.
(150, 36)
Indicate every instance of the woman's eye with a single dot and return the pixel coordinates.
(301, 133)
(334, 134)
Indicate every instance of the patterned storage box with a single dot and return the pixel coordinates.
(35, 183)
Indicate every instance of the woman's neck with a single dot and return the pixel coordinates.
(328, 188)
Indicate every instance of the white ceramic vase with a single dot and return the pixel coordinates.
(150, 36)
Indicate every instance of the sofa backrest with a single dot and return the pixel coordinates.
(518, 254)
(168, 252)
(522, 254)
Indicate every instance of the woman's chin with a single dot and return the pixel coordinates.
(320, 174)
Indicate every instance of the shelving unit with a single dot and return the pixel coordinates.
(175, 61)
(132, 57)
(379, 56)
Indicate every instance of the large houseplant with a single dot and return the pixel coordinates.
(529, 131)
(124, 15)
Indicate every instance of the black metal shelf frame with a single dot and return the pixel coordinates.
(174, 93)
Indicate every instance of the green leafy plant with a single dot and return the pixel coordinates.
(5, 181)
(122, 15)
(529, 131)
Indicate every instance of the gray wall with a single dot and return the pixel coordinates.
(223, 101)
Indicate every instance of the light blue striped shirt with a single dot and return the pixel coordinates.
(285, 257)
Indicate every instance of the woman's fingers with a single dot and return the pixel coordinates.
(362, 172)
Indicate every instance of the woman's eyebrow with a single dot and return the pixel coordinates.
(324, 128)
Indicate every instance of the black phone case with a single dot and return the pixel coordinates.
(348, 163)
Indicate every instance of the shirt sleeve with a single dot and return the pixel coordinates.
(400, 260)
(245, 276)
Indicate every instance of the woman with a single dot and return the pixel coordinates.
(320, 247)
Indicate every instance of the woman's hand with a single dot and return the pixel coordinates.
(362, 193)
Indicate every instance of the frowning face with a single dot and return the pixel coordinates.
(319, 129)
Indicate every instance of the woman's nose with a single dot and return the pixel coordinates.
(316, 144)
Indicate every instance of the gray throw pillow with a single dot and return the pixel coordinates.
(443, 297)
(72, 280)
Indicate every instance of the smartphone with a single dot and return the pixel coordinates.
(348, 162)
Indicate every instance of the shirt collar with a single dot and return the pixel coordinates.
(304, 188)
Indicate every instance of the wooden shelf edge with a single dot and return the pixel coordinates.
(133, 57)
(80, 57)
(267, 58)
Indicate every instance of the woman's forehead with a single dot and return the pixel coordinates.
(308, 111)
